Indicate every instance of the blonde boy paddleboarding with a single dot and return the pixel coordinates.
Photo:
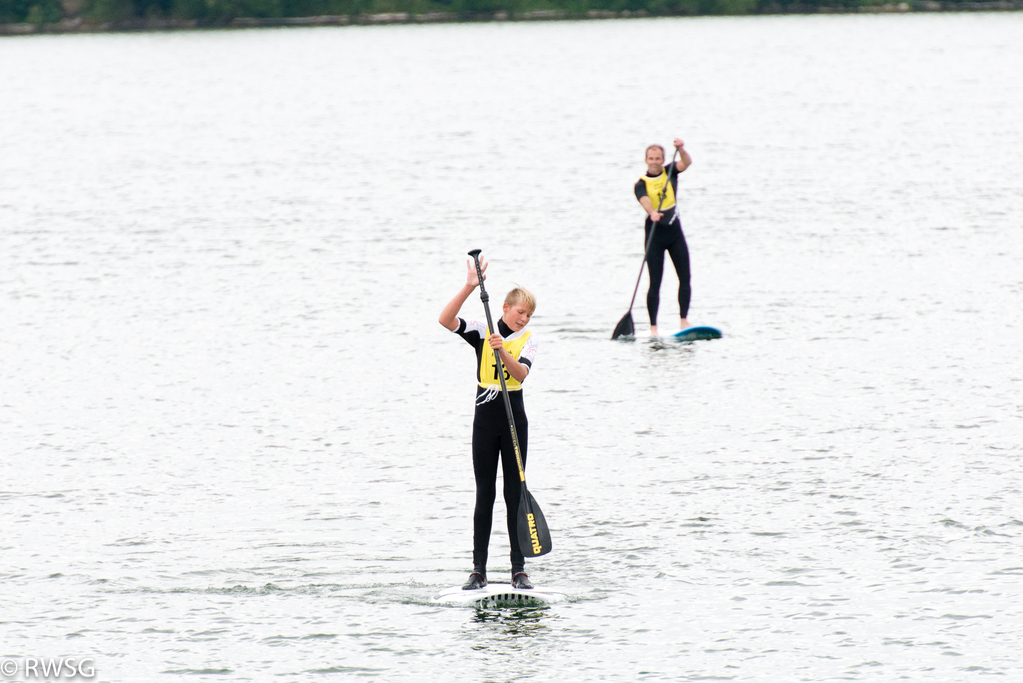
(491, 432)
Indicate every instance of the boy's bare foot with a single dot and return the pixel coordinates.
(684, 324)
(653, 330)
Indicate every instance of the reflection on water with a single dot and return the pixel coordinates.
(679, 349)
(514, 621)
(524, 640)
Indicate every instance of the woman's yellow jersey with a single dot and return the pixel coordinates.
(652, 187)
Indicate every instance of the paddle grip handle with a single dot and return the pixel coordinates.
(475, 253)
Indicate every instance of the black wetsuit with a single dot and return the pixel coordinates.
(491, 440)
(667, 237)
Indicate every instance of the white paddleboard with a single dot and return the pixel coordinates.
(500, 595)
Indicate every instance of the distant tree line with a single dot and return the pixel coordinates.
(219, 12)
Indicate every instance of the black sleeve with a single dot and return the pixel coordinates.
(472, 337)
(640, 188)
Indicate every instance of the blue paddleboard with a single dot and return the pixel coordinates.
(697, 333)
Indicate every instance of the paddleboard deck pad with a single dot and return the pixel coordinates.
(698, 333)
(500, 595)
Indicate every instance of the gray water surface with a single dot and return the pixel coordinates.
(236, 441)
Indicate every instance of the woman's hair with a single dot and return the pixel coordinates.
(521, 295)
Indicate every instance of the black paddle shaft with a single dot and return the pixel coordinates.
(485, 298)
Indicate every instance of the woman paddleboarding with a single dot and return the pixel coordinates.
(663, 219)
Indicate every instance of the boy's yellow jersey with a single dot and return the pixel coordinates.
(488, 364)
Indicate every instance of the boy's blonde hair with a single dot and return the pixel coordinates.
(521, 295)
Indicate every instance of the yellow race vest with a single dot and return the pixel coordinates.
(488, 365)
(654, 187)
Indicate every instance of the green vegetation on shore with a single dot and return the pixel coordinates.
(128, 14)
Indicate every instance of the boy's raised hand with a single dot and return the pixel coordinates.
(471, 278)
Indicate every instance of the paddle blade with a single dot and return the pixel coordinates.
(625, 327)
(534, 536)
